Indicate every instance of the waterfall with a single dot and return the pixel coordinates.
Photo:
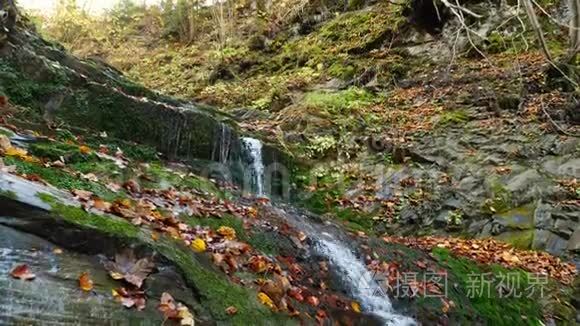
(253, 151)
(353, 274)
(360, 282)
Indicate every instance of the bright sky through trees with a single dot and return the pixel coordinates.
(95, 6)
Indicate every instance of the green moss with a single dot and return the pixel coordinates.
(107, 224)
(216, 292)
(8, 194)
(342, 102)
(162, 177)
(55, 150)
(501, 200)
(487, 302)
(26, 91)
(453, 117)
(355, 220)
(6, 132)
(137, 152)
(520, 239)
(99, 168)
(60, 178)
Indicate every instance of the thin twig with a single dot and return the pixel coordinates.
(558, 128)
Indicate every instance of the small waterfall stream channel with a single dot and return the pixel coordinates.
(330, 243)
(53, 298)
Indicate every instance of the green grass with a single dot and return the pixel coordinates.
(487, 302)
(342, 102)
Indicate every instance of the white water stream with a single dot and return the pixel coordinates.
(353, 273)
(253, 149)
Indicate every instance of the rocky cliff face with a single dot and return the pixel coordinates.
(59, 88)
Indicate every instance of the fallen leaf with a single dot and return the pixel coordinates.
(5, 143)
(231, 310)
(227, 232)
(265, 300)
(313, 301)
(101, 205)
(198, 245)
(16, 152)
(175, 311)
(258, 264)
(167, 306)
(84, 149)
(185, 316)
(130, 299)
(85, 282)
(355, 307)
(127, 267)
(82, 195)
(57, 251)
(22, 272)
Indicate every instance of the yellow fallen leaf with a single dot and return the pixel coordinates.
(116, 275)
(16, 152)
(85, 282)
(227, 232)
(265, 300)
(355, 307)
(84, 149)
(198, 245)
(186, 317)
(57, 251)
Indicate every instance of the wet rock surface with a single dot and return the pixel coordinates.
(54, 296)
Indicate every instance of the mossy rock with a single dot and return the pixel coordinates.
(519, 239)
(70, 227)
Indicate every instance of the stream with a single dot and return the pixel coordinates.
(330, 243)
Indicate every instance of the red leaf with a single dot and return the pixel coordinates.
(22, 272)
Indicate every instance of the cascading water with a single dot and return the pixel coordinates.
(354, 276)
(360, 282)
(253, 151)
(357, 280)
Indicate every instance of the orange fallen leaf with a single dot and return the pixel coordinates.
(355, 307)
(258, 264)
(313, 301)
(84, 149)
(227, 232)
(22, 272)
(175, 311)
(85, 282)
